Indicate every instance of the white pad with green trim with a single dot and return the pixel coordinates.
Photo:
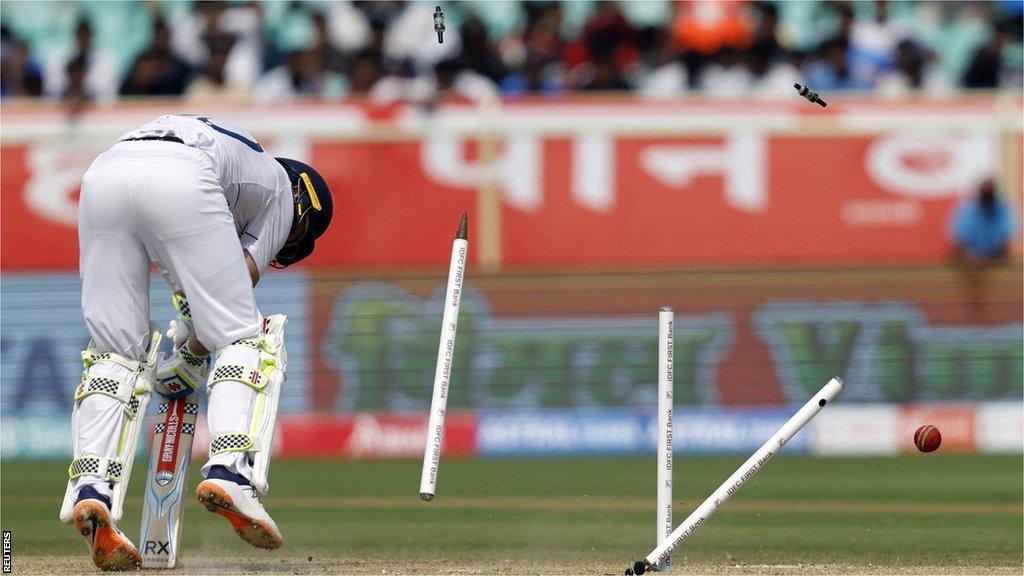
(260, 363)
(133, 393)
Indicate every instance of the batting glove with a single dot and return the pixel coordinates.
(183, 372)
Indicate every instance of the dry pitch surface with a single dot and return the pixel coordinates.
(935, 514)
(199, 566)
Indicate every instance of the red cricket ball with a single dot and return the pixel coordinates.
(927, 438)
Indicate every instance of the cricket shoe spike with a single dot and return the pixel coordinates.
(241, 506)
(110, 548)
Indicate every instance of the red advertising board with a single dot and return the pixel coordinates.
(621, 182)
(372, 436)
(360, 436)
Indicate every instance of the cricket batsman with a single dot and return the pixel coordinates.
(212, 209)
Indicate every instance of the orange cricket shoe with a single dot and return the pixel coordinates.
(241, 506)
(110, 548)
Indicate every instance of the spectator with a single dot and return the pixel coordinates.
(20, 75)
(607, 48)
(97, 66)
(157, 71)
(831, 71)
(332, 59)
(451, 82)
(604, 75)
(365, 72)
(534, 57)
(245, 61)
(772, 66)
(981, 226)
(728, 75)
(76, 95)
(913, 72)
(860, 59)
(350, 26)
(187, 37)
(709, 34)
(214, 18)
(875, 40)
(478, 54)
(543, 37)
(774, 72)
(706, 27)
(378, 37)
(212, 83)
(987, 64)
(536, 76)
(766, 34)
(668, 76)
(300, 75)
(303, 74)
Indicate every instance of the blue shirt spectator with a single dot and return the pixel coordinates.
(834, 69)
(981, 227)
(536, 76)
(20, 74)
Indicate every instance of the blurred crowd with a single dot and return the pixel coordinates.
(388, 50)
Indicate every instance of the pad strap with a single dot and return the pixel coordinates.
(230, 442)
(254, 376)
(96, 466)
(90, 356)
(107, 386)
(181, 305)
(126, 393)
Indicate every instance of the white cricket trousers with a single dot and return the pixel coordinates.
(158, 201)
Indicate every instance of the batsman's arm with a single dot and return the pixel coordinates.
(254, 270)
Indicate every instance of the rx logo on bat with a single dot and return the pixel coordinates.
(164, 477)
(157, 547)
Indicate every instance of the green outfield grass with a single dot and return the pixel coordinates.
(594, 515)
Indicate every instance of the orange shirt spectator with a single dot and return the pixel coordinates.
(707, 25)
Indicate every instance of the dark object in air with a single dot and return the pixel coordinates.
(439, 24)
(810, 95)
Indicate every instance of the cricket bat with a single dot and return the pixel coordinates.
(166, 481)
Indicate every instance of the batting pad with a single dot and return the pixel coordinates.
(132, 391)
(259, 363)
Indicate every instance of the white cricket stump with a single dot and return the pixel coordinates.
(769, 449)
(445, 357)
(666, 336)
